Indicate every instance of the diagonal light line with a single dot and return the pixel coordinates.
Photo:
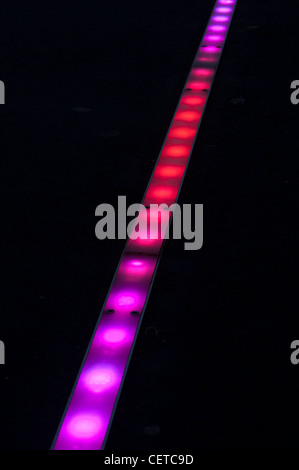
(89, 412)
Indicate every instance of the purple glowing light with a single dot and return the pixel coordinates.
(223, 10)
(213, 37)
(217, 28)
(221, 18)
(226, 2)
(126, 300)
(210, 49)
(137, 270)
(85, 426)
(114, 335)
(100, 379)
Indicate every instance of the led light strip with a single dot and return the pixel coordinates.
(89, 412)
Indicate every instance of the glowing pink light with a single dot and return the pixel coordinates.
(126, 300)
(199, 85)
(207, 59)
(85, 426)
(100, 379)
(145, 241)
(217, 28)
(203, 72)
(114, 335)
(221, 18)
(210, 49)
(223, 10)
(136, 263)
(213, 37)
(136, 270)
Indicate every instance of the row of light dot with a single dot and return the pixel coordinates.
(87, 417)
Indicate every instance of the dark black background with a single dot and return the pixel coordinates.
(90, 91)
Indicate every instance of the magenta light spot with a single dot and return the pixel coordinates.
(126, 300)
(217, 28)
(203, 72)
(99, 379)
(145, 241)
(213, 37)
(114, 335)
(223, 10)
(136, 264)
(85, 426)
(137, 270)
(210, 49)
(221, 18)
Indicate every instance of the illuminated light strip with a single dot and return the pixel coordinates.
(89, 412)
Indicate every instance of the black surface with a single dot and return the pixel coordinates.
(90, 91)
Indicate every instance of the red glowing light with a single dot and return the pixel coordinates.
(176, 151)
(193, 101)
(169, 171)
(184, 132)
(162, 193)
(188, 116)
(199, 85)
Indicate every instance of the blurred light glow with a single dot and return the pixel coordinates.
(170, 171)
(126, 300)
(185, 132)
(188, 116)
(176, 150)
(100, 379)
(217, 28)
(210, 49)
(223, 10)
(199, 85)
(203, 72)
(85, 426)
(114, 335)
(163, 192)
(221, 18)
(136, 263)
(213, 37)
